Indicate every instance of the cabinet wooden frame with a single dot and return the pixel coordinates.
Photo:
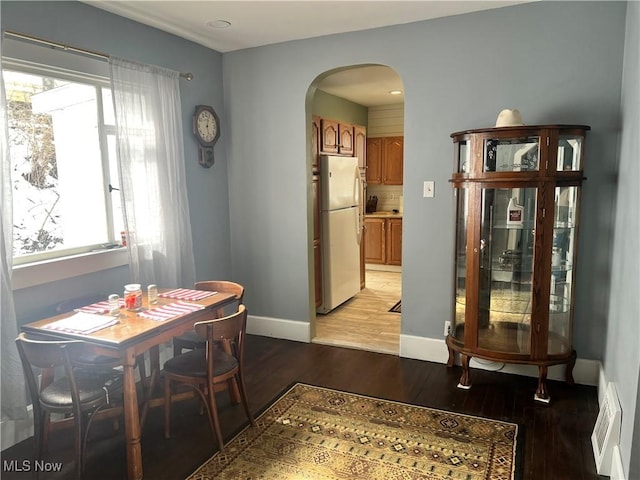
(385, 160)
(336, 138)
(540, 341)
(383, 240)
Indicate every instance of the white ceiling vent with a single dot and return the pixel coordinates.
(606, 433)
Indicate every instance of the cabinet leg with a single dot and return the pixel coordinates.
(541, 394)
(568, 375)
(452, 358)
(464, 379)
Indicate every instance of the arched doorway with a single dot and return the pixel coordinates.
(358, 106)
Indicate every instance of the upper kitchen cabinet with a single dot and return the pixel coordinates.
(360, 146)
(315, 143)
(336, 138)
(385, 157)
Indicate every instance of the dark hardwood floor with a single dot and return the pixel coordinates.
(555, 439)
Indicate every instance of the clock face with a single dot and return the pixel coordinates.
(207, 126)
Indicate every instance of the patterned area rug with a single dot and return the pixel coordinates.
(397, 308)
(316, 433)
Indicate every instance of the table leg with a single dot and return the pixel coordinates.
(131, 419)
(154, 353)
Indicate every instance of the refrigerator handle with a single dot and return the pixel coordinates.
(357, 187)
(359, 195)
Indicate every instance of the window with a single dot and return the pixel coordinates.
(63, 161)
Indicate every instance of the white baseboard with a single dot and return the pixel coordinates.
(279, 328)
(15, 431)
(617, 470)
(585, 372)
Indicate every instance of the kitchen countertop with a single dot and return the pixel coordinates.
(383, 214)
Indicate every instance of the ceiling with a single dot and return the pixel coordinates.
(258, 23)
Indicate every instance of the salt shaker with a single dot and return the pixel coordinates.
(152, 294)
(114, 304)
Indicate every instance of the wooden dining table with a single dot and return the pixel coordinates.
(132, 336)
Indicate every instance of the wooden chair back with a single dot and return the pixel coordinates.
(228, 331)
(46, 354)
(222, 286)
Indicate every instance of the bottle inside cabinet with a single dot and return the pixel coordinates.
(517, 196)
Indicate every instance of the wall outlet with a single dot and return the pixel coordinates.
(428, 189)
(447, 328)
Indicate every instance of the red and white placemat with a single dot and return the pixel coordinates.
(83, 323)
(187, 294)
(172, 310)
(100, 307)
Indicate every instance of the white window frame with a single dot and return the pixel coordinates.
(29, 58)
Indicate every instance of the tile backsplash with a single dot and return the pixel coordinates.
(388, 196)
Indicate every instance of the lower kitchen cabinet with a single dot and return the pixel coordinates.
(374, 240)
(394, 241)
(383, 240)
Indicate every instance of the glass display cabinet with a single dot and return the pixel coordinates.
(517, 193)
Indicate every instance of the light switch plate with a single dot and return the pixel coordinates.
(429, 189)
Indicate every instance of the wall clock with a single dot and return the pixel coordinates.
(206, 128)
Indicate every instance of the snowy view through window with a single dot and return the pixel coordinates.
(60, 175)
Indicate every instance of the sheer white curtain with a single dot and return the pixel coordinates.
(14, 398)
(152, 173)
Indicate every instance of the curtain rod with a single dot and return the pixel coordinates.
(70, 48)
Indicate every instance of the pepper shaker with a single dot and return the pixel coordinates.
(152, 294)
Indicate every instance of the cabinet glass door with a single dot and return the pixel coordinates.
(457, 330)
(569, 153)
(463, 160)
(511, 154)
(506, 269)
(562, 271)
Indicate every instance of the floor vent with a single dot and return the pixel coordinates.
(606, 433)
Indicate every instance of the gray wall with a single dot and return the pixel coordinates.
(621, 358)
(335, 108)
(81, 25)
(558, 62)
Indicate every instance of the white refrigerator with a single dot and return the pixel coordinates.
(341, 195)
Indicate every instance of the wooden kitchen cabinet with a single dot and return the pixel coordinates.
(360, 146)
(517, 203)
(394, 241)
(315, 144)
(385, 158)
(383, 240)
(392, 165)
(374, 240)
(336, 138)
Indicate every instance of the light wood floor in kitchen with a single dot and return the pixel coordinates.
(364, 322)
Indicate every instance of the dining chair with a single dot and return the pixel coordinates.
(80, 391)
(190, 340)
(211, 369)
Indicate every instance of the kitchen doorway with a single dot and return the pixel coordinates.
(364, 321)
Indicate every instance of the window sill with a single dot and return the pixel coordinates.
(47, 271)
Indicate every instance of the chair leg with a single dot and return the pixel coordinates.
(78, 443)
(39, 419)
(142, 367)
(243, 397)
(167, 406)
(213, 417)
